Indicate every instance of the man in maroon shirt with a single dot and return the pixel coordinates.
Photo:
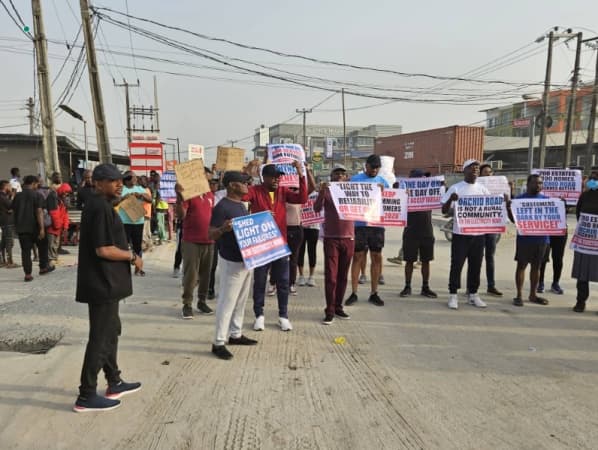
(269, 196)
(197, 249)
(339, 243)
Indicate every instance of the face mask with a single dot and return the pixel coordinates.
(592, 184)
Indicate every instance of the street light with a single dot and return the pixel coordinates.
(76, 115)
(178, 146)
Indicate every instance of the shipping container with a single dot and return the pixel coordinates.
(438, 151)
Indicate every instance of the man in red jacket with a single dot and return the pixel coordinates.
(60, 220)
(269, 196)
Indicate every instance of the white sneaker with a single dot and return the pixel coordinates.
(176, 273)
(258, 325)
(311, 282)
(284, 324)
(271, 290)
(475, 300)
(301, 281)
(293, 289)
(453, 302)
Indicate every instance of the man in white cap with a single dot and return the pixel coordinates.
(465, 247)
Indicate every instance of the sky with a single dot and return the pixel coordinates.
(212, 105)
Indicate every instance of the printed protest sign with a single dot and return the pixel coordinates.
(480, 214)
(585, 239)
(133, 207)
(357, 201)
(423, 193)
(539, 216)
(219, 195)
(192, 177)
(283, 156)
(561, 183)
(394, 209)
(259, 239)
(308, 215)
(230, 158)
(166, 190)
(498, 184)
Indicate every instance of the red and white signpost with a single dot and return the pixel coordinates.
(146, 153)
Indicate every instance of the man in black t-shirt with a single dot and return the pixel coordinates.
(235, 279)
(103, 279)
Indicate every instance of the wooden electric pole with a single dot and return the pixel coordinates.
(94, 83)
(571, 107)
(45, 95)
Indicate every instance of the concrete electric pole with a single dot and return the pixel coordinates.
(545, 101)
(127, 105)
(571, 107)
(304, 111)
(31, 115)
(592, 121)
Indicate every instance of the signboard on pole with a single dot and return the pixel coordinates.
(146, 153)
(521, 123)
(196, 151)
(480, 214)
(561, 183)
(423, 193)
(357, 201)
(585, 239)
(539, 216)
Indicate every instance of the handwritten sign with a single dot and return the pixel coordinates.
(394, 209)
(230, 158)
(585, 239)
(259, 239)
(357, 201)
(539, 216)
(191, 176)
(561, 183)
(480, 214)
(133, 208)
(283, 155)
(498, 184)
(308, 215)
(166, 190)
(423, 193)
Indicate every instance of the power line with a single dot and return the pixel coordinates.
(21, 25)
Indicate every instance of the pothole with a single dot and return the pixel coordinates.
(36, 340)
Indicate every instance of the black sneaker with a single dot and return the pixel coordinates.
(115, 391)
(211, 295)
(187, 312)
(494, 291)
(352, 299)
(427, 292)
(327, 320)
(579, 307)
(204, 309)
(342, 315)
(406, 292)
(94, 403)
(375, 299)
(221, 352)
(62, 251)
(243, 340)
(47, 270)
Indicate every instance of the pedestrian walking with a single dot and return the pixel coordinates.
(7, 226)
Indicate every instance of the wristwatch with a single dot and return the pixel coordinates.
(133, 258)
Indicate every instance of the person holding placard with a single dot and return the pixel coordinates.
(490, 241)
(556, 249)
(465, 247)
(529, 250)
(585, 265)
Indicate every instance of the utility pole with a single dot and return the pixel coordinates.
(31, 114)
(45, 95)
(571, 106)
(156, 109)
(344, 129)
(545, 101)
(94, 83)
(304, 112)
(592, 122)
(127, 104)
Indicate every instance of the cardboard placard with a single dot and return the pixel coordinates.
(133, 207)
(230, 158)
(191, 176)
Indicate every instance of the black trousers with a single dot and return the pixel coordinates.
(27, 241)
(583, 291)
(104, 330)
(213, 269)
(135, 237)
(310, 240)
(470, 248)
(178, 255)
(294, 240)
(557, 248)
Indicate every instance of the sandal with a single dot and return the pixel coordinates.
(539, 301)
(517, 301)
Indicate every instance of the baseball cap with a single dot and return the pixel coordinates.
(106, 172)
(338, 168)
(417, 173)
(470, 162)
(234, 175)
(374, 161)
(270, 170)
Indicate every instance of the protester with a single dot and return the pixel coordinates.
(214, 187)
(197, 249)
(60, 219)
(311, 234)
(103, 279)
(162, 218)
(178, 255)
(490, 241)
(418, 244)
(85, 190)
(133, 228)
(15, 180)
(556, 247)
(269, 196)
(339, 246)
(147, 241)
(235, 279)
(529, 250)
(585, 266)
(7, 226)
(465, 247)
(29, 225)
(368, 238)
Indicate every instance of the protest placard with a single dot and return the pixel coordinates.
(480, 214)
(259, 239)
(561, 183)
(283, 156)
(585, 239)
(192, 177)
(133, 207)
(230, 158)
(219, 195)
(539, 216)
(357, 201)
(394, 209)
(497, 184)
(308, 215)
(166, 190)
(423, 194)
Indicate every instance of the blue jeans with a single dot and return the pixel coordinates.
(280, 274)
